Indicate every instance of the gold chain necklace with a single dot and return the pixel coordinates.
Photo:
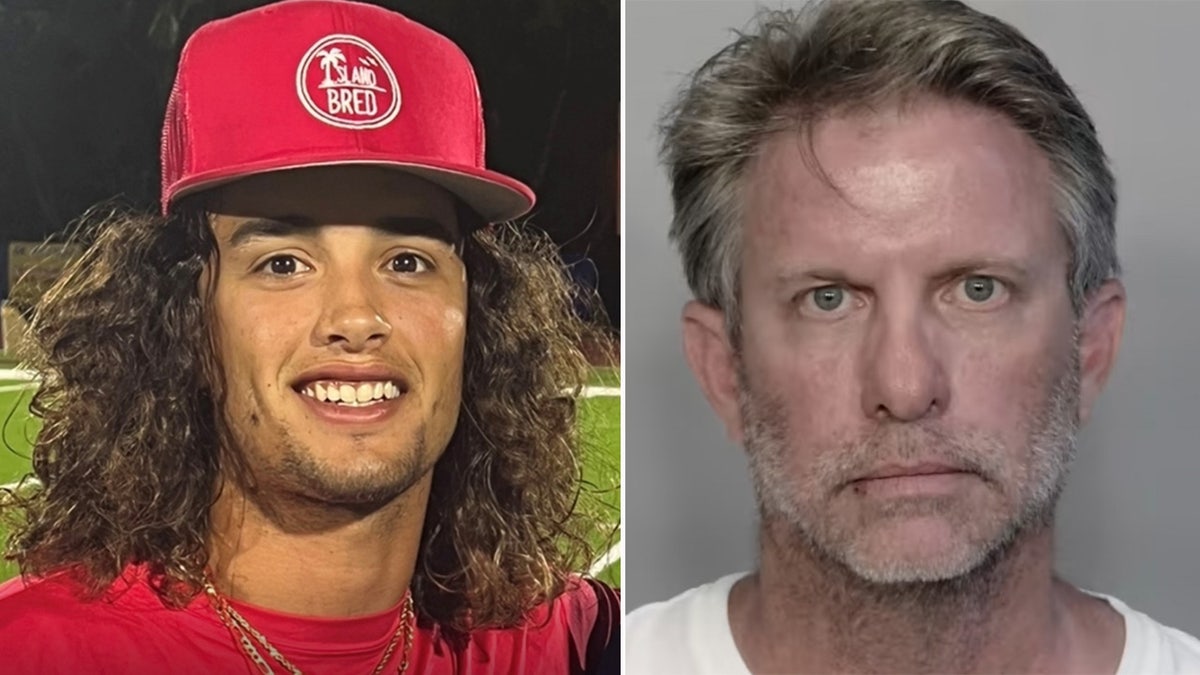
(241, 628)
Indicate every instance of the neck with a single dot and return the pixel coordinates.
(1006, 616)
(298, 556)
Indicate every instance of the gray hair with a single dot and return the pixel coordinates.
(796, 67)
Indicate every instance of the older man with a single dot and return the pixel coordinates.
(897, 221)
(316, 417)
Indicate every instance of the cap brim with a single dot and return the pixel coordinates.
(494, 196)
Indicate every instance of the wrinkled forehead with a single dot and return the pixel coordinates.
(941, 178)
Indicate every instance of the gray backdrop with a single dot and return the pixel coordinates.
(1128, 523)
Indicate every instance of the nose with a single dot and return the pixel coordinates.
(352, 319)
(905, 378)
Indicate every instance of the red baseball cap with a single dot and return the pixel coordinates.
(304, 83)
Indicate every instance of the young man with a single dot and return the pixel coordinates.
(898, 224)
(312, 419)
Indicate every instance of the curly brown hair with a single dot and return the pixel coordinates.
(132, 444)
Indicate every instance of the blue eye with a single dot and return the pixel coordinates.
(829, 298)
(979, 288)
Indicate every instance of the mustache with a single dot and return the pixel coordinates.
(970, 452)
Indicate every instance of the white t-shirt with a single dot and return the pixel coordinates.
(690, 634)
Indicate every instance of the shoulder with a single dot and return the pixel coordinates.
(591, 612)
(47, 622)
(568, 634)
(63, 595)
(685, 633)
(670, 619)
(1152, 647)
(44, 623)
(588, 602)
(26, 602)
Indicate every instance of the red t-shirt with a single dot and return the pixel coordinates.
(46, 628)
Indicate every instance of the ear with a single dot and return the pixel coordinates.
(711, 358)
(1100, 330)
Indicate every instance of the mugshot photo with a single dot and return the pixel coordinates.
(909, 337)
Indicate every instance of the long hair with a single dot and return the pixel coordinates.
(131, 443)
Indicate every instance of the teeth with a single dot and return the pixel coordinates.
(357, 394)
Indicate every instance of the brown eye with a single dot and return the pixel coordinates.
(283, 266)
(409, 263)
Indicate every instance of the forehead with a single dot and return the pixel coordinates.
(334, 195)
(930, 181)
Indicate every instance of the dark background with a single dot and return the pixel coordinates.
(83, 86)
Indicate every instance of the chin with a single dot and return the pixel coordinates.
(929, 547)
(921, 558)
(358, 485)
(361, 472)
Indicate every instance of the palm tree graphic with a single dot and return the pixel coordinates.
(330, 59)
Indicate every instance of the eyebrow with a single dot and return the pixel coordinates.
(295, 225)
(267, 228)
(790, 278)
(1021, 273)
(1012, 268)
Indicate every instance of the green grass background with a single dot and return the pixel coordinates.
(599, 425)
(17, 432)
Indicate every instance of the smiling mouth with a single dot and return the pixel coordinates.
(350, 393)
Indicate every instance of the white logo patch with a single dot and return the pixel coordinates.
(344, 81)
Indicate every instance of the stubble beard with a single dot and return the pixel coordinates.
(290, 480)
(1026, 491)
(361, 486)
